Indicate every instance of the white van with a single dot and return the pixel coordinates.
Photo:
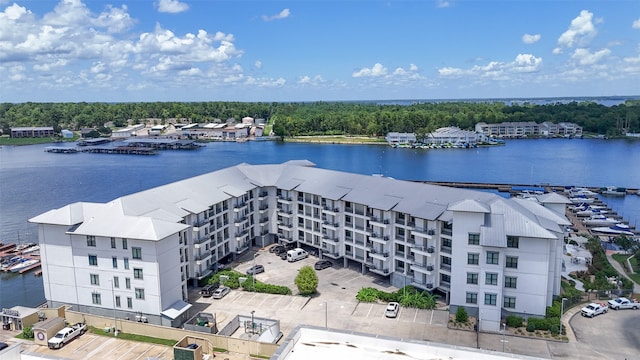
(296, 254)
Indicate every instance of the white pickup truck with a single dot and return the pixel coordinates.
(65, 335)
(624, 303)
(594, 309)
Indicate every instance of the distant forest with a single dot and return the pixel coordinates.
(327, 118)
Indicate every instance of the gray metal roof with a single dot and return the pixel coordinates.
(553, 198)
(493, 233)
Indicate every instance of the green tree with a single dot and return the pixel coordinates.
(307, 281)
(461, 315)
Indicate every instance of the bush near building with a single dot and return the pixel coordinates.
(407, 297)
(234, 282)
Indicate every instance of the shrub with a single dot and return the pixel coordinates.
(27, 332)
(530, 326)
(307, 280)
(367, 294)
(514, 321)
(555, 329)
(461, 315)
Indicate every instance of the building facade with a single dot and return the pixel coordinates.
(32, 132)
(492, 255)
(529, 128)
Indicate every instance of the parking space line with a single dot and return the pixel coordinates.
(370, 308)
(144, 352)
(93, 338)
(415, 316)
(431, 319)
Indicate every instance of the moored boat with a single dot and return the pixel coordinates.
(590, 212)
(25, 263)
(599, 220)
(613, 191)
(617, 229)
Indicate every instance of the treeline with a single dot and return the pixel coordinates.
(327, 118)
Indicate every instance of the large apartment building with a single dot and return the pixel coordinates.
(134, 256)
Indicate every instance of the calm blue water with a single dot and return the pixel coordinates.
(32, 181)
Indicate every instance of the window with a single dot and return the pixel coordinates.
(510, 302)
(446, 243)
(472, 278)
(511, 262)
(126, 263)
(129, 302)
(93, 260)
(490, 299)
(139, 293)
(114, 262)
(513, 241)
(510, 282)
(473, 259)
(137, 273)
(474, 239)
(118, 301)
(127, 283)
(445, 279)
(95, 279)
(491, 279)
(95, 298)
(492, 257)
(116, 282)
(472, 298)
(136, 253)
(124, 243)
(113, 243)
(91, 240)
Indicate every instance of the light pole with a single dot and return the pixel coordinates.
(253, 276)
(326, 312)
(252, 326)
(562, 313)
(115, 324)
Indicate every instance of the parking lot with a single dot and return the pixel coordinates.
(614, 335)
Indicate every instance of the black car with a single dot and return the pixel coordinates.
(283, 255)
(208, 290)
(277, 249)
(323, 264)
(3, 345)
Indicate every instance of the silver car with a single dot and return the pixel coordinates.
(392, 310)
(221, 292)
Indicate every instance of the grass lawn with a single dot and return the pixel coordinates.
(134, 337)
(5, 140)
(622, 259)
(337, 139)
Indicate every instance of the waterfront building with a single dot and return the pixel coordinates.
(32, 132)
(529, 128)
(492, 255)
(400, 138)
(454, 135)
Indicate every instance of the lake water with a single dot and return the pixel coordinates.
(33, 181)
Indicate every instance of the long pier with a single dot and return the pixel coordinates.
(516, 188)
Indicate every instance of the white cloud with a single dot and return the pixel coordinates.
(258, 64)
(580, 32)
(307, 80)
(523, 63)
(377, 70)
(281, 15)
(442, 4)
(585, 57)
(531, 39)
(636, 24)
(172, 6)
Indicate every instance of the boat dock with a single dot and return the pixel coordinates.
(29, 268)
(517, 188)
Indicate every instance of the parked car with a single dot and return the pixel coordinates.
(3, 345)
(208, 290)
(283, 255)
(624, 303)
(221, 292)
(392, 310)
(297, 254)
(594, 309)
(256, 269)
(323, 264)
(277, 249)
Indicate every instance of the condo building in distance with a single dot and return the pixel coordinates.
(136, 255)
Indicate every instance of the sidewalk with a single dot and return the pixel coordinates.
(620, 269)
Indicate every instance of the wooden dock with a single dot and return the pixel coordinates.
(32, 267)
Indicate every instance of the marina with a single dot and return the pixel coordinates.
(137, 146)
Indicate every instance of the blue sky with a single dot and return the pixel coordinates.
(241, 50)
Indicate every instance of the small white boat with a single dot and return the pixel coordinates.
(31, 250)
(617, 229)
(591, 212)
(25, 263)
(580, 192)
(613, 191)
(582, 199)
(599, 220)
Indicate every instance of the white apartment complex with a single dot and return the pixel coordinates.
(135, 255)
(529, 128)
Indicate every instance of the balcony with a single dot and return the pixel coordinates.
(243, 248)
(331, 255)
(331, 240)
(379, 255)
(422, 232)
(445, 249)
(422, 268)
(263, 221)
(263, 208)
(445, 267)
(378, 238)
(285, 213)
(201, 256)
(284, 199)
(423, 250)
(240, 221)
(285, 226)
(200, 223)
(447, 232)
(263, 195)
(332, 210)
(380, 270)
(199, 240)
(241, 235)
(329, 224)
(426, 285)
(238, 207)
(286, 239)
